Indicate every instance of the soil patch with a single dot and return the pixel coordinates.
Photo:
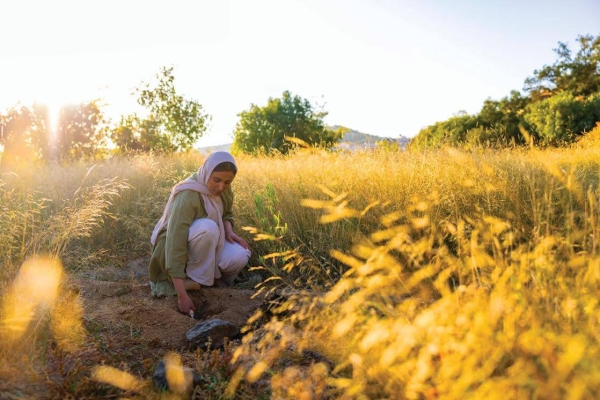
(157, 321)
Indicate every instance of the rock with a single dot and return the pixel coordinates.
(214, 330)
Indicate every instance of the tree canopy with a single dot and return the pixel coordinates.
(263, 129)
(173, 122)
(81, 131)
(26, 134)
(579, 74)
(561, 102)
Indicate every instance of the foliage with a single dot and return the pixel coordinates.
(445, 133)
(173, 123)
(81, 131)
(504, 118)
(563, 117)
(561, 104)
(24, 134)
(262, 129)
(498, 124)
(578, 75)
(268, 218)
(27, 135)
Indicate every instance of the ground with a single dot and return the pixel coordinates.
(126, 328)
(127, 301)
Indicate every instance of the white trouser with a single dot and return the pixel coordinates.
(204, 264)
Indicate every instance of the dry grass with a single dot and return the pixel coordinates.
(443, 274)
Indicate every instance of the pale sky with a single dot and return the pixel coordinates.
(382, 67)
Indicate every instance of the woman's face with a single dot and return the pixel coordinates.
(219, 181)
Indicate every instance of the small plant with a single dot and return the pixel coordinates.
(268, 217)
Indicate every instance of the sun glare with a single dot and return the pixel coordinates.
(53, 113)
(51, 106)
(35, 289)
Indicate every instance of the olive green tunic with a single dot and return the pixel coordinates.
(169, 254)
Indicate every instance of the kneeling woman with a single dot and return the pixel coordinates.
(194, 238)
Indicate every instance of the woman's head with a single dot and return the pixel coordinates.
(221, 177)
(218, 172)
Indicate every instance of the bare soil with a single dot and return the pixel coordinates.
(157, 321)
(126, 328)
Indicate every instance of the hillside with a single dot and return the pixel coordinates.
(352, 140)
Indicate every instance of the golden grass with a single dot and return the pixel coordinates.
(438, 274)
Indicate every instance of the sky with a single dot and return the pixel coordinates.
(383, 67)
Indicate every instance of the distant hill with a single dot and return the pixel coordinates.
(352, 140)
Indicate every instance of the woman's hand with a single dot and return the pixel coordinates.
(235, 238)
(232, 237)
(184, 302)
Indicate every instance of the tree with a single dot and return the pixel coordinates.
(24, 134)
(136, 134)
(173, 123)
(81, 131)
(562, 103)
(579, 75)
(563, 117)
(451, 132)
(262, 129)
(500, 121)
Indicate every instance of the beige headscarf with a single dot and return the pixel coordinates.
(198, 182)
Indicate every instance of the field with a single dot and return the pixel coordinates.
(441, 274)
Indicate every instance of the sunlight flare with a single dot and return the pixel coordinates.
(179, 379)
(113, 376)
(33, 291)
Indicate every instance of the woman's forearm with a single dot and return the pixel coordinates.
(179, 287)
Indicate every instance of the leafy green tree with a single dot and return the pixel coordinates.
(563, 117)
(579, 74)
(173, 123)
(24, 134)
(451, 132)
(81, 131)
(561, 103)
(133, 133)
(262, 129)
(499, 121)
